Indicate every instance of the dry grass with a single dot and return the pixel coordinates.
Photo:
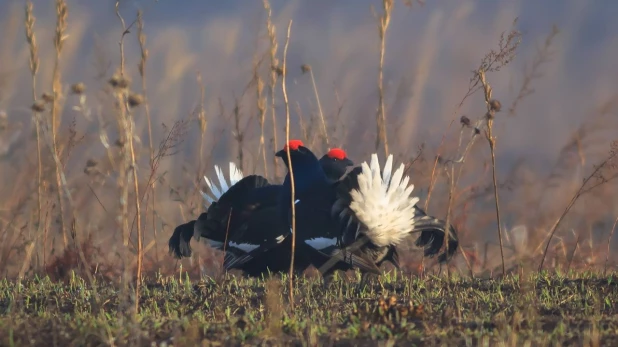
(78, 181)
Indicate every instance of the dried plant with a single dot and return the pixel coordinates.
(384, 21)
(289, 159)
(544, 55)
(261, 106)
(595, 179)
(493, 106)
(307, 68)
(59, 38)
(492, 61)
(272, 86)
(34, 68)
(125, 100)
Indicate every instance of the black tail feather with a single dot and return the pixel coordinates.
(432, 241)
(179, 242)
(208, 228)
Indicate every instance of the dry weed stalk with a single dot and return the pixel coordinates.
(274, 65)
(493, 61)
(141, 37)
(597, 173)
(125, 102)
(34, 68)
(46, 132)
(287, 140)
(493, 106)
(59, 37)
(307, 68)
(261, 106)
(201, 116)
(384, 21)
(544, 55)
(239, 134)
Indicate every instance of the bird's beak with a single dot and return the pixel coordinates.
(348, 162)
(281, 154)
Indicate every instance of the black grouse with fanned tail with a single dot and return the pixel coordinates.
(255, 231)
(379, 245)
(360, 219)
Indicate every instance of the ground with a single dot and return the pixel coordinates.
(569, 309)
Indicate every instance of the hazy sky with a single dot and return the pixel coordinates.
(431, 50)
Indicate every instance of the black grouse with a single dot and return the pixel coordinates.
(359, 219)
(254, 226)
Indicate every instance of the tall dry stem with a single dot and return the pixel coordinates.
(274, 65)
(141, 37)
(287, 140)
(583, 189)
(34, 68)
(59, 37)
(238, 133)
(384, 21)
(493, 106)
(261, 106)
(128, 163)
(307, 68)
(201, 116)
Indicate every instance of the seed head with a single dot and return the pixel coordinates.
(119, 82)
(465, 121)
(305, 68)
(91, 163)
(490, 114)
(135, 100)
(78, 88)
(495, 105)
(47, 97)
(278, 70)
(38, 106)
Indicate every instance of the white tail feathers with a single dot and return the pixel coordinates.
(383, 204)
(216, 191)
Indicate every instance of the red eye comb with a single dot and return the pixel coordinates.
(337, 153)
(293, 144)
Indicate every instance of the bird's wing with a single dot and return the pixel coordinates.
(251, 223)
(179, 242)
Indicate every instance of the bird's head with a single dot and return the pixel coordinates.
(305, 164)
(335, 163)
(299, 154)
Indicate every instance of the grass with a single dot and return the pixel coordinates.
(535, 309)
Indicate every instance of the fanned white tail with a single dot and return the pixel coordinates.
(383, 204)
(216, 191)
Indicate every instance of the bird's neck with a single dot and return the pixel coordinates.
(308, 176)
